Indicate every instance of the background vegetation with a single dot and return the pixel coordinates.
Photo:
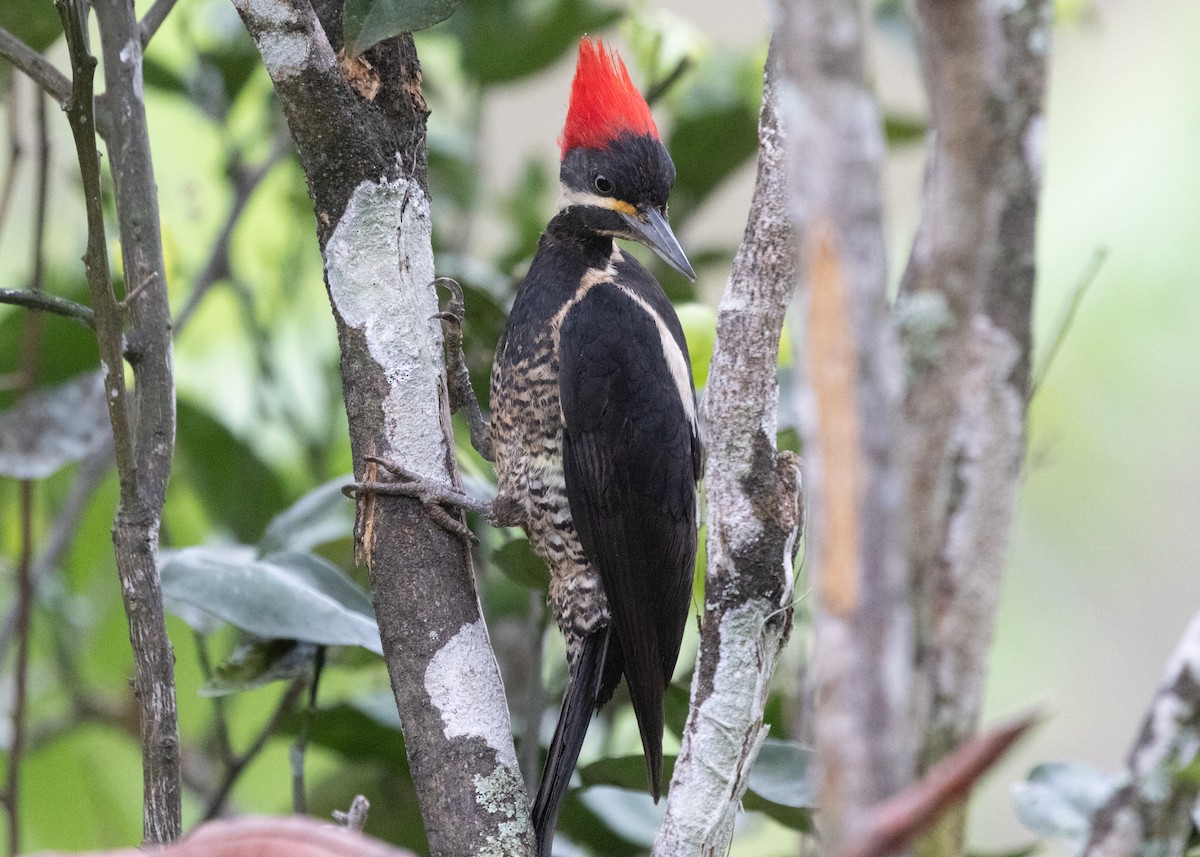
(1102, 571)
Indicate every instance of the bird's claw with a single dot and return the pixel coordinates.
(433, 495)
(456, 309)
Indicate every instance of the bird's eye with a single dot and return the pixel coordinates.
(603, 185)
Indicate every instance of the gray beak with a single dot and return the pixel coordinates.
(653, 230)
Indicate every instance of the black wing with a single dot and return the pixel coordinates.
(631, 457)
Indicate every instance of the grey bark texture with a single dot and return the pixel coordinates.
(754, 522)
(1152, 812)
(359, 128)
(850, 390)
(143, 431)
(965, 308)
(913, 418)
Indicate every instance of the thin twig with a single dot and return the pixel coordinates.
(298, 748)
(42, 302)
(107, 314)
(153, 19)
(12, 789)
(286, 703)
(88, 478)
(221, 722)
(245, 182)
(142, 467)
(354, 818)
(662, 87)
(30, 353)
(15, 151)
(39, 69)
(897, 820)
(1082, 285)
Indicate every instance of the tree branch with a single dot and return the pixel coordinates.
(754, 522)
(287, 702)
(143, 449)
(31, 346)
(366, 168)
(965, 307)
(1152, 813)
(42, 302)
(153, 19)
(39, 69)
(850, 388)
(898, 819)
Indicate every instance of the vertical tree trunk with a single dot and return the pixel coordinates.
(754, 522)
(965, 309)
(851, 384)
(364, 155)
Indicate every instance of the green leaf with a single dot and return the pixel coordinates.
(778, 788)
(715, 128)
(51, 428)
(1059, 799)
(363, 729)
(632, 815)
(32, 21)
(780, 774)
(521, 565)
(779, 785)
(700, 327)
(237, 488)
(258, 663)
(369, 22)
(287, 594)
(507, 39)
(623, 772)
(322, 515)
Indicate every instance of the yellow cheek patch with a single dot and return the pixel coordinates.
(623, 207)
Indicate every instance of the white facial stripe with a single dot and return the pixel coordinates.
(676, 362)
(582, 197)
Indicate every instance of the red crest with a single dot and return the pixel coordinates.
(604, 101)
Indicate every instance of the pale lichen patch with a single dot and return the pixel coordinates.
(379, 265)
(460, 681)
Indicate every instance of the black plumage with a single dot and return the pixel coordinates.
(595, 433)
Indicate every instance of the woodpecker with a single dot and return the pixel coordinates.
(594, 431)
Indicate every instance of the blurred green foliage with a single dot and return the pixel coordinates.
(258, 560)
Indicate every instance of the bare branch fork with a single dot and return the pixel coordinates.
(368, 185)
(143, 447)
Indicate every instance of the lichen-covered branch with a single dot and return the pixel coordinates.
(363, 151)
(1152, 812)
(850, 389)
(754, 522)
(964, 310)
(144, 443)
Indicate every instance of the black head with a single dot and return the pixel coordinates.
(621, 190)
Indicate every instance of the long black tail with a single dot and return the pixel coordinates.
(585, 692)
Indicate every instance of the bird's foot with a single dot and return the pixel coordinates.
(458, 379)
(434, 496)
